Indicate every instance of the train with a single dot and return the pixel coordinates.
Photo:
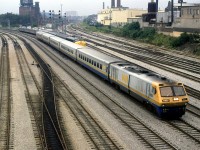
(165, 97)
(61, 35)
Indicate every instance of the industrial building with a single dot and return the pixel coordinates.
(28, 9)
(118, 16)
(189, 20)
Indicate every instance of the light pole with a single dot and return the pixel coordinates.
(65, 22)
(44, 17)
(180, 1)
(52, 19)
(172, 12)
(110, 18)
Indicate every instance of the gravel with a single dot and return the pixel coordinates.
(22, 131)
(115, 128)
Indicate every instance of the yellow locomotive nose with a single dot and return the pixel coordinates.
(82, 43)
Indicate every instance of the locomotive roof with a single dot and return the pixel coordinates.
(98, 55)
(71, 44)
(56, 38)
(143, 73)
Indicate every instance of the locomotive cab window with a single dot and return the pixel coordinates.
(172, 91)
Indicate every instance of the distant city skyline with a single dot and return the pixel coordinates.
(83, 7)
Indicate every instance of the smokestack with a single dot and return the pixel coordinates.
(112, 3)
(156, 5)
(103, 5)
(118, 3)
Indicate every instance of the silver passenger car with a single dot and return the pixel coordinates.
(55, 41)
(69, 48)
(96, 61)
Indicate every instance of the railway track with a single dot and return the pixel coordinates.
(96, 134)
(5, 100)
(187, 129)
(145, 134)
(52, 132)
(33, 98)
(153, 57)
(148, 60)
(46, 126)
(176, 125)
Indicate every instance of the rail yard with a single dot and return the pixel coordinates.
(50, 101)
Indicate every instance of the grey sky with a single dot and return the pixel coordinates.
(83, 7)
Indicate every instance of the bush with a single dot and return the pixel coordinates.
(184, 38)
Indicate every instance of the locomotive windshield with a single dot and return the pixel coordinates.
(172, 91)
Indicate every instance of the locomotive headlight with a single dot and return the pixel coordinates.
(165, 100)
(175, 98)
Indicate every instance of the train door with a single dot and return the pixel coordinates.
(148, 90)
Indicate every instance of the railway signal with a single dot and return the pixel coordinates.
(59, 14)
(49, 13)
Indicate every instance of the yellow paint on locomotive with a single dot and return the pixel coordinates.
(82, 43)
(125, 78)
(169, 101)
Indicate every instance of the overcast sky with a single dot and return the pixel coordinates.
(83, 7)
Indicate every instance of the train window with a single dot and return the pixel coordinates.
(153, 91)
(101, 66)
(87, 60)
(166, 91)
(179, 91)
(90, 61)
(94, 63)
(79, 56)
(97, 65)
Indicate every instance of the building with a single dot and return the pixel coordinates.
(189, 20)
(119, 16)
(28, 9)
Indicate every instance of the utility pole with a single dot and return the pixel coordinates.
(180, 1)
(110, 19)
(172, 12)
(61, 9)
(44, 23)
(8, 23)
(65, 22)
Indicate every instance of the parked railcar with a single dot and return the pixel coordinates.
(165, 97)
(27, 30)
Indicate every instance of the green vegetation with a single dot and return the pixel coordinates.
(149, 35)
(15, 20)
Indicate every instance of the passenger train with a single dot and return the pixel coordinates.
(164, 96)
(61, 35)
